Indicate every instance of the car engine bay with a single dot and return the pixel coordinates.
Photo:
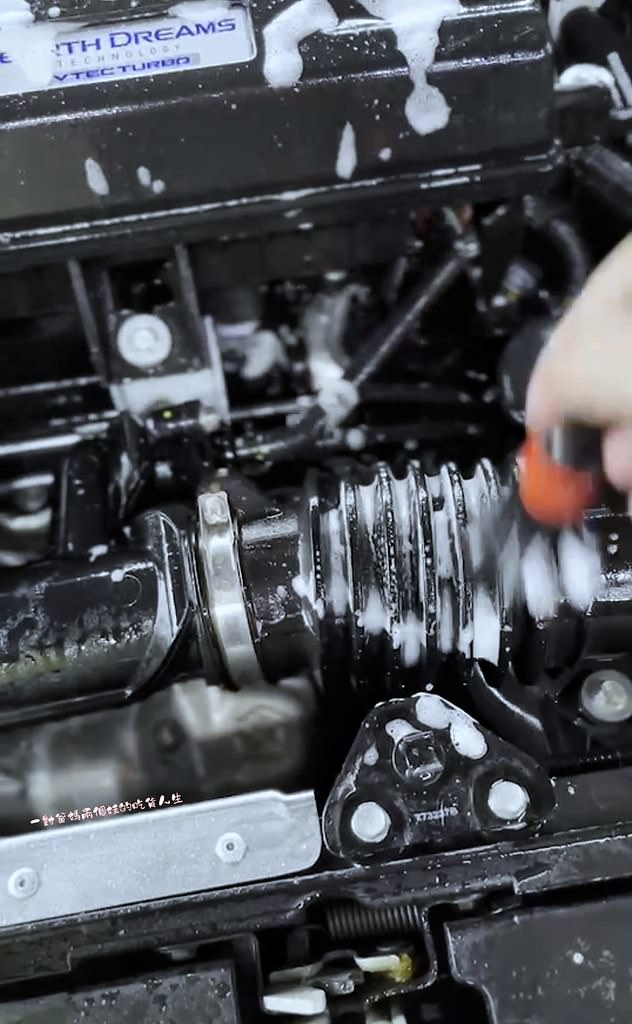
(273, 275)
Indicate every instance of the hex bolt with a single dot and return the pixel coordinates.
(144, 341)
(370, 823)
(606, 696)
(23, 883)
(215, 509)
(508, 800)
(231, 848)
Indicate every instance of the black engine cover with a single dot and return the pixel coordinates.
(145, 151)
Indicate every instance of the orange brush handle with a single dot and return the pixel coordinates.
(552, 494)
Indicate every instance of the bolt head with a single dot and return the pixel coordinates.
(508, 800)
(231, 848)
(144, 341)
(214, 509)
(370, 823)
(606, 696)
(23, 883)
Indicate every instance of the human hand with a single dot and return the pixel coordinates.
(584, 375)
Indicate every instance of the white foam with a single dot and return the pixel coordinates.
(374, 619)
(347, 159)
(283, 64)
(355, 439)
(399, 729)
(371, 756)
(539, 578)
(144, 176)
(95, 176)
(337, 400)
(486, 627)
(265, 351)
(445, 619)
(416, 25)
(580, 569)
(466, 737)
(386, 153)
(410, 636)
(97, 551)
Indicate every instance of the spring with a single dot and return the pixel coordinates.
(399, 576)
(355, 921)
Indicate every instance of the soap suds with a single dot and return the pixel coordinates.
(372, 756)
(283, 64)
(144, 176)
(386, 153)
(374, 619)
(466, 737)
(486, 627)
(158, 186)
(446, 623)
(580, 569)
(95, 177)
(97, 551)
(416, 26)
(347, 159)
(265, 351)
(399, 729)
(539, 578)
(355, 439)
(410, 636)
(337, 400)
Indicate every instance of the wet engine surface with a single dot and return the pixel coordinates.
(296, 720)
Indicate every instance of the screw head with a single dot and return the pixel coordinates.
(231, 848)
(144, 341)
(370, 823)
(508, 800)
(607, 696)
(23, 883)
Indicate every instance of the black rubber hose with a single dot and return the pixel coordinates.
(607, 177)
(547, 218)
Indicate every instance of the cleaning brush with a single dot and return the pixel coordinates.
(559, 474)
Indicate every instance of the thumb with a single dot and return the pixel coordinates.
(584, 374)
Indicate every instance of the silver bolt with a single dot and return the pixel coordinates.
(144, 341)
(23, 883)
(508, 800)
(607, 696)
(370, 823)
(231, 848)
(215, 509)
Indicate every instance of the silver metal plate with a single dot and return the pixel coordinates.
(118, 861)
(195, 34)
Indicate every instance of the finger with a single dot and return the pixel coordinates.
(617, 457)
(585, 371)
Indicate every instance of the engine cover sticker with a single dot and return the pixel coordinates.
(41, 56)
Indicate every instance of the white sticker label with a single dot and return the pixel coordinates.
(36, 56)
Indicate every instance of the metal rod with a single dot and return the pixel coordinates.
(383, 342)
